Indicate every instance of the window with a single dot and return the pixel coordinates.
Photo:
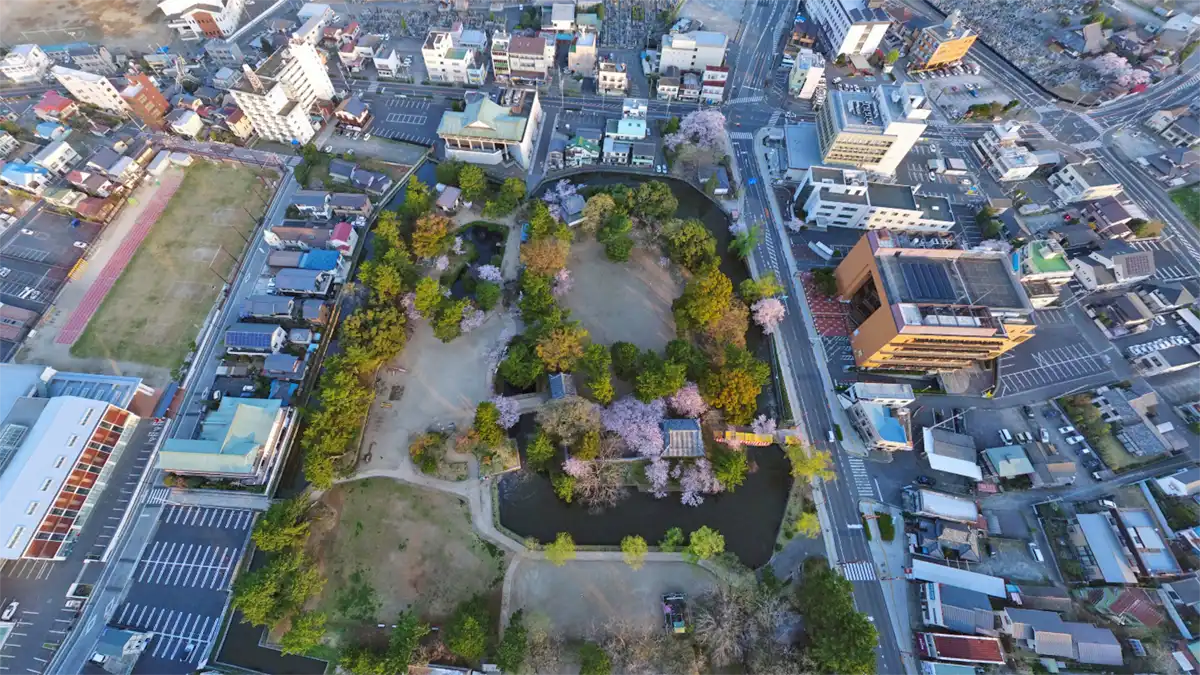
(31, 508)
(72, 440)
(16, 536)
(86, 416)
(46, 484)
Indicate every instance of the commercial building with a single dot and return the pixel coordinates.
(448, 60)
(712, 84)
(25, 63)
(144, 100)
(941, 44)
(492, 133)
(850, 27)
(61, 434)
(197, 19)
(930, 310)
(91, 89)
(278, 95)
(807, 74)
(1000, 152)
(941, 505)
(1106, 559)
(958, 609)
(692, 52)
(872, 130)
(951, 452)
(611, 78)
(521, 60)
(1084, 182)
(1009, 461)
(924, 570)
(240, 440)
(834, 197)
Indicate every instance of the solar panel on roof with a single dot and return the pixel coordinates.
(250, 340)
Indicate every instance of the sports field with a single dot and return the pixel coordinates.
(154, 310)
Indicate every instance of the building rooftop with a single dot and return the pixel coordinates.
(1010, 461)
(952, 452)
(1107, 551)
(229, 438)
(925, 570)
(485, 119)
(682, 438)
(891, 196)
(1148, 544)
(886, 423)
(976, 280)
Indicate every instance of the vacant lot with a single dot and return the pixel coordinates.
(1187, 198)
(154, 311)
(399, 546)
(129, 23)
(628, 302)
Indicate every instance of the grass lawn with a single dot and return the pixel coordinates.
(1187, 198)
(386, 546)
(154, 311)
(1113, 453)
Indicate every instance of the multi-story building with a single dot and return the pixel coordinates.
(278, 95)
(243, 439)
(521, 60)
(225, 53)
(1002, 155)
(834, 197)
(712, 84)
(583, 148)
(930, 310)
(493, 133)
(25, 63)
(448, 60)
(8, 144)
(92, 58)
(144, 100)
(872, 130)
(58, 157)
(92, 89)
(668, 85)
(850, 27)
(1115, 265)
(194, 19)
(57, 454)
(1084, 182)
(807, 74)
(1043, 269)
(561, 17)
(611, 78)
(941, 44)
(581, 58)
(693, 51)
(1184, 132)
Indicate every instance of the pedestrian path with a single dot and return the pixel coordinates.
(859, 571)
(862, 481)
(744, 99)
(741, 135)
(775, 118)
(159, 496)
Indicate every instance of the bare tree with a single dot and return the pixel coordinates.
(545, 648)
(720, 625)
(640, 652)
(599, 485)
(570, 418)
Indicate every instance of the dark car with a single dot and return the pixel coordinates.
(1028, 411)
(926, 480)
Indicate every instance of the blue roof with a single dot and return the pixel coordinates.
(320, 260)
(46, 129)
(250, 335)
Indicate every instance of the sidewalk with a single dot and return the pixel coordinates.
(891, 558)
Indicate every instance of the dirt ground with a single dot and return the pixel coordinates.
(414, 547)
(628, 302)
(153, 313)
(123, 23)
(581, 598)
(722, 16)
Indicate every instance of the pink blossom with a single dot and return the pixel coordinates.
(488, 273)
(556, 197)
(472, 319)
(698, 479)
(763, 425)
(637, 424)
(409, 302)
(441, 263)
(658, 473)
(704, 128)
(508, 409)
(768, 313)
(458, 246)
(576, 468)
(562, 283)
(688, 401)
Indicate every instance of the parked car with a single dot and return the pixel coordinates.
(926, 480)
(1036, 552)
(1028, 410)
(1074, 440)
(1006, 436)
(1066, 430)
(1044, 435)
(10, 611)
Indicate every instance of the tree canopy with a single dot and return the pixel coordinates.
(282, 525)
(840, 638)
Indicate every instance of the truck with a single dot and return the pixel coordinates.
(674, 607)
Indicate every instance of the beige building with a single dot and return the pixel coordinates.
(693, 51)
(1084, 182)
(195, 20)
(845, 198)
(1002, 155)
(930, 310)
(581, 59)
(278, 95)
(91, 89)
(448, 60)
(872, 130)
(612, 78)
(521, 60)
(941, 44)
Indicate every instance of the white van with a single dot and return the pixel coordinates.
(1006, 437)
(1036, 552)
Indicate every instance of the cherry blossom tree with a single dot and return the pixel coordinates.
(696, 480)
(768, 313)
(556, 197)
(458, 246)
(472, 318)
(597, 484)
(508, 409)
(1115, 68)
(489, 273)
(763, 425)
(442, 263)
(636, 423)
(409, 302)
(703, 128)
(562, 283)
(658, 472)
(688, 401)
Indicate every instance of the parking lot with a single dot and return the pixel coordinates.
(1046, 367)
(411, 120)
(37, 254)
(181, 584)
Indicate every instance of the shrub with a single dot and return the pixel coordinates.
(634, 550)
(487, 294)
(487, 424)
(561, 550)
(625, 360)
(593, 660)
(672, 540)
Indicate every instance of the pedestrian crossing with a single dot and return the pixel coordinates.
(862, 481)
(775, 118)
(741, 136)
(1046, 108)
(745, 99)
(1041, 129)
(1087, 119)
(859, 571)
(1088, 145)
(158, 496)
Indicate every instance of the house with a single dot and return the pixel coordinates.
(239, 440)
(1185, 592)
(614, 151)
(91, 183)
(267, 307)
(1109, 217)
(353, 114)
(51, 131)
(1161, 119)
(25, 64)
(583, 148)
(349, 204)
(340, 171)
(1084, 182)
(344, 239)
(449, 200)
(1047, 634)
(925, 570)
(120, 168)
(1184, 132)
(682, 438)
(313, 283)
(298, 236)
(1124, 313)
(1184, 483)
(185, 122)
(314, 203)
(315, 312)
(714, 179)
(937, 537)
(556, 152)
(960, 648)
(1010, 461)
(64, 198)
(642, 153)
(284, 367)
(572, 209)
(1161, 298)
(961, 610)
(373, 182)
(951, 452)
(28, 177)
(254, 338)
(14, 321)
(239, 125)
(58, 157)
(54, 107)
(1115, 265)
(1107, 558)
(8, 144)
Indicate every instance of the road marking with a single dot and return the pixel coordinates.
(858, 571)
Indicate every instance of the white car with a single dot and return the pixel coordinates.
(1066, 430)
(366, 137)
(10, 611)
(1075, 440)
(1044, 435)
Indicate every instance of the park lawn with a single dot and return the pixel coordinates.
(399, 546)
(153, 313)
(1187, 198)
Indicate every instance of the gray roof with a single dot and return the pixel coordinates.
(935, 208)
(354, 106)
(349, 200)
(283, 365)
(682, 438)
(1189, 124)
(307, 281)
(339, 168)
(1095, 645)
(1108, 552)
(1188, 590)
(267, 305)
(891, 196)
(310, 198)
(313, 310)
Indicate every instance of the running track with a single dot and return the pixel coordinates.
(117, 263)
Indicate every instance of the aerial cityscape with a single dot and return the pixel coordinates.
(599, 336)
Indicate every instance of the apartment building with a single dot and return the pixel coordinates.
(491, 133)
(930, 310)
(941, 44)
(850, 27)
(611, 78)
(833, 197)
(1084, 182)
(693, 51)
(1000, 152)
(1184, 132)
(521, 60)
(25, 63)
(872, 130)
(712, 84)
(224, 53)
(581, 57)
(1043, 268)
(57, 158)
(278, 95)
(448, 61)
(197, 19)
(91, 89)
(144, 100)
(92, 58)
(807, 74)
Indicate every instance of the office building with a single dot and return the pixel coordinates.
(611, 78)
(692, 52)
(834, 197)
(278, 95)
(807, 74)
(144, 100)
(448, 60)
(91, 89)
(930, 310)
(941, 44)
(521, 60)
(872, 130)
(850, 27)
(492, 133)
(25, 63)
(1084, 182)
(1000, 152)
(196, 19)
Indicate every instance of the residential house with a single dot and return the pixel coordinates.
(298, 236)
(712, 84)
(960, 648)
(1084, 182)
(1161, 119)
(1123, 313)
(239, 124)
(583, 148)
(268, 307)
(642, 153)
(1046, 634)
(8, 144)
(556, 152)
(299, 282)
(185, 122)
(611, 78)
(51, 131)
(669, 84)
(714, 179)
(240, 440)
(54, 107)
(1184, 132)
(958, 609)
(314, 203)
(226, 78)
(57, 157)
(355, 54)
(1114, 265)
(225, 53)
(315, 312)
(373, 182)
(491, 133)
(92, 58)
(449, 200)
(1168, 360)
(353, 114)
(25, 64)
(64, 198)
(28, 177)
(1183, 483)
(1161, 298)
(349, 205)
(254, 338)
(284, 367)
(340, 171)
(1110, 217)
(389, 64)
(1008, 462)
(1177, 166)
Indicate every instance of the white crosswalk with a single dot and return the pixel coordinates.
(741, 135)
(1088, 145)
(775, 118)
(158, 496)
(862, 481)
(744, 99)
(859, 571)
(198, 516)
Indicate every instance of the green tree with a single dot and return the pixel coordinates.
(690, 356)
(540, 451)
(672, 540)
(710, 184)
(487, 424)
(617, 226)
(537, 298)
(429, 235)
(473, 182)
(417, 200)
(487, 294)
(983, 215)
(447, 324)
(467, 634)
(704, 543)
(743, 244)
(689, 243)
(672, 125)
(653, 200)
(634, 549)
(625, 360)
(657, 377)
(840, 638)
(404, 640)
(305, 633)
(991, 229)
(564, 486)
(561, 550)
(825, 281)
(545, 255)
(593, 660)
(596, 364)
(704, 299)
(892, 56)
(589, 445)
(448, 171)
(268, 594)
(597, 211)
(808, 462)
(510, 655)
(562, 347)
(730, 467)
(512, 191)
(808, 525)
(735, 385)
(282, 525)
(522, 367)
(753, 290)
(1143, 228)
(542, 223)
(617, 249)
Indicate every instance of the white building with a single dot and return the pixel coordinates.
(448, 60)
(833, 197)
(313, 29)
(872, 130)
(562, 16)
(58, 157)
(25, 63)
(1002, 155)
(693, 51)
(712, 84)
(807, 74)
(278, 96)
(521, 60)
(1084, 182)
(92, 89)
(951, 452)
(612, 78)
(196, 19)
(493, 133)
(850, 26)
